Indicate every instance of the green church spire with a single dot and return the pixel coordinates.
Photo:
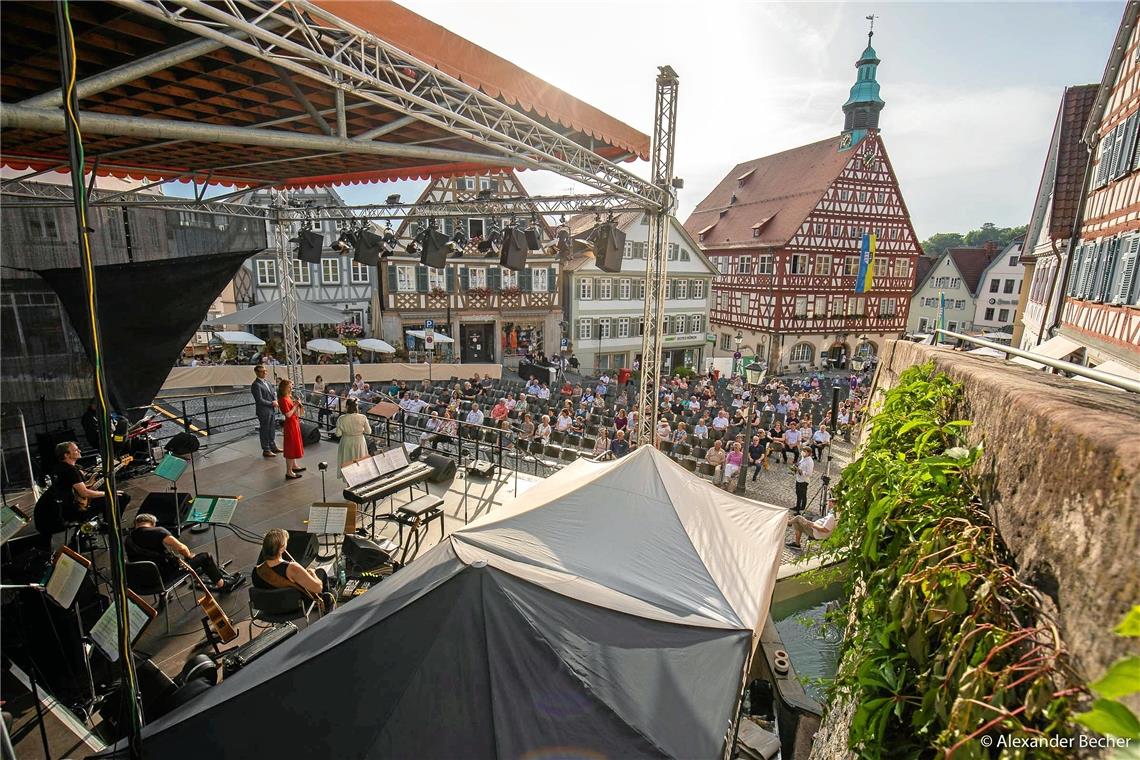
(861, 111)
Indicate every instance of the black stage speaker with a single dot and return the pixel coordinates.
(609, 247)
(310, 433)
(168, 508)
(311, 244)
(183, 444)
(443, 468)
(513, 254)
(362, 554)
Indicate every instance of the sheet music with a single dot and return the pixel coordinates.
(217, 510)
(224, 510)
(170, 468)
(327, 519)
(360, 471)
(391, 460)
(10, 523)
(66, 576)
(105, 632)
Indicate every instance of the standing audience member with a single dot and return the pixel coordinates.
(804, 470)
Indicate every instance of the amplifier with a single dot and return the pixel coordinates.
(247, 653)
(479, 467)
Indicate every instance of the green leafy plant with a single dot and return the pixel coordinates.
(944, 644)
(1108, 715)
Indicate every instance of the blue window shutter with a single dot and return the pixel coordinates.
(552, 280)
(524, 281)
(451, 279)
(421, 278)
(391, 278)
(464, 279)
(494, 278)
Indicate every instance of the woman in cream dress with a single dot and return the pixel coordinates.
(351, 427)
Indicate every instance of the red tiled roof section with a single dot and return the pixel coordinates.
(783, 187)
(921, 269)
(1072, 157)
(971, 262)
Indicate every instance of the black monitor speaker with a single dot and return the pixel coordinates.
(513, 254)
(533, 238)
(609, 247)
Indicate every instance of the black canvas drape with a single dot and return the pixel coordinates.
(148, 312)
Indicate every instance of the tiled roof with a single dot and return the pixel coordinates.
(922, 268)
(782, 188)
(1072, 158)
(971, 262)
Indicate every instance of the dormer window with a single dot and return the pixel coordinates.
(755, 232)
(732, 200)
(723, 211)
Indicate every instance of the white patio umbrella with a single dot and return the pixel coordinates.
(439, 337)
(375, 344)
(326, 346)
(238, 338)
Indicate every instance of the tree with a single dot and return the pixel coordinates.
(989, 232)
(937, 243)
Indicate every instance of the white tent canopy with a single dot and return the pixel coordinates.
(237, 338)
(609, 611)
(439, 337)
(377, 345)
(326, 346)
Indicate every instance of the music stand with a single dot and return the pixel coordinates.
(68, 570)
(331, 518)
(213, 511)
(105, 632)
(171, 469)
(12, 521)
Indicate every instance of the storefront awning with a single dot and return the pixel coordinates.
(1057, 347)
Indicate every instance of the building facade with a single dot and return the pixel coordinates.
(949, 291)
(337, 281)
(785, 233)
(605, 311)
(1083, 305)
(490, 312)
(998, 291)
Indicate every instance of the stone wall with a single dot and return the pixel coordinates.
(1061, 477)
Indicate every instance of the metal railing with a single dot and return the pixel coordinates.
(1116, 381)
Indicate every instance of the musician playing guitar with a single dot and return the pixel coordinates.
(69, 499)
(278, 570)
(147, 541)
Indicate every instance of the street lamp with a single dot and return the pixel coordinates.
(737, 340)
(753, 375)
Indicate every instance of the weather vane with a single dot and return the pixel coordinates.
(871, 31)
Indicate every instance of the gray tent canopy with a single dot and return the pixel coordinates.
(269, 313)
(542, 629)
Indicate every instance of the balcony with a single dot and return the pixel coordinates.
(473, 299)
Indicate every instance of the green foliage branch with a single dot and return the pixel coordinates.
(944, 644)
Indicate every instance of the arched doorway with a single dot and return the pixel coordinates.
(838, 355)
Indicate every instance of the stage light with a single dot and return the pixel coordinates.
(564, 246)
(457, 243)
(513, 254)
(367, 247)
(492, 241)
(392, 199)
(346, 242)
(310, 245)
(434, 245)
(389, 240)
(486, 195)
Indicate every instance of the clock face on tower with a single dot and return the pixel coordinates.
(845, 141)
(869, 159)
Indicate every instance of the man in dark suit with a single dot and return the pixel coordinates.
(265, 402)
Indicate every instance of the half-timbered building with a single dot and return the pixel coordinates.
(784, 232)
(1097, 320)
(491, 312)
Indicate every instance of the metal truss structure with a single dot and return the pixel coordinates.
(305, 39)
(656, 262)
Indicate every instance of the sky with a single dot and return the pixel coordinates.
(971, 89)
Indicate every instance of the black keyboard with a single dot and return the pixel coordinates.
(380, 487)
(247, 653)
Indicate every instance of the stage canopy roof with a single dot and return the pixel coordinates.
(292, 94)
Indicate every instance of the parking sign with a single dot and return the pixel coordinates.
(429, 334)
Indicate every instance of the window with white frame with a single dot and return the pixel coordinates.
(819, 308)
(437, 278)
(406, 279)
(723, 264)
(764, 264)
(625, 289)
(726, 341)
(823, 264)
(586, 289)
(744, 265)
(682, 288)
(888, 307)
(802, 353)
(330, 271)
(42, 224)
(881, 266)
(358, 273)
(302, 273)
(474, 228)
(628, 252)
(666, 326)
(801, 306)
(850, 266)
(838, 303)
(540, 280)
(585, 329)
(477, 277)
(605, 288)
(604, 327)
(960, 304)
(266, 273)
(699, 289)
(640, 326)
(679, 323)
(902, 267)
(510, 279)
(623, 327)
(798, 264)
(641, 289)
(745, 303)
(696, 323)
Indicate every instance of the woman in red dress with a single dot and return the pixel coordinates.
(294, 447)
